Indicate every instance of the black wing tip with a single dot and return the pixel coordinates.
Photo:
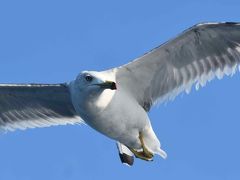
(216, 23)
(232, 23)
(126, 159)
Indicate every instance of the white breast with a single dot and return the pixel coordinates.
(107, 95)
(104, 99)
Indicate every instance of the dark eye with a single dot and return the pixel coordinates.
(88, 78)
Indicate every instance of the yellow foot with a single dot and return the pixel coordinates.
(141, 155)
(145, 154)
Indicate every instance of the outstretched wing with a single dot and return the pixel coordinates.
(194, 57)
(35, 105)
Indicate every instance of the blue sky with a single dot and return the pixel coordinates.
(52, 41)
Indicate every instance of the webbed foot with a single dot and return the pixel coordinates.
(145, 154)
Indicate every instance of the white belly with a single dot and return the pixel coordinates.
(120, 118)
(115, 114)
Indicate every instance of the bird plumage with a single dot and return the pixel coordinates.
(196, 56)
(25, 106)
(115, 102)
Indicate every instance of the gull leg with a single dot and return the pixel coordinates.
(140, 155)
(144, 154)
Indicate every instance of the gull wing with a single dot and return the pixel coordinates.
(35, 105)
(196, 56)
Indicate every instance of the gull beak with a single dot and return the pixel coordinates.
(108, 85)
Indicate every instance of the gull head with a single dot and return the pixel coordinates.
(92, 91)
(94, 81)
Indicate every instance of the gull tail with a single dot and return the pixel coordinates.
(152, 143)
(161, 153)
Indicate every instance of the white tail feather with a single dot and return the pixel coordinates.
(162, 153)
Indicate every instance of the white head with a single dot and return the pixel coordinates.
(92, 81)
(92, 86)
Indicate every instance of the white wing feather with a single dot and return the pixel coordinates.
(195, 57)
(35, 105)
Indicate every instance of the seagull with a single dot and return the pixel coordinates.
(116, 102)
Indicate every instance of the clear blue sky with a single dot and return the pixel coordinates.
(52, 41)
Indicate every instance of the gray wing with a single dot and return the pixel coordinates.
(35, 105)
(194, 57)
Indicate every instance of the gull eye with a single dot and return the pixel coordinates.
(88, 78)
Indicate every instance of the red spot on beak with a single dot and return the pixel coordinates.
(114, 86)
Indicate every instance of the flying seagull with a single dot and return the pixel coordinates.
(116, 102)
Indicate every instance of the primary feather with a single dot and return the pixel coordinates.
(196, 56)
(35, 105)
